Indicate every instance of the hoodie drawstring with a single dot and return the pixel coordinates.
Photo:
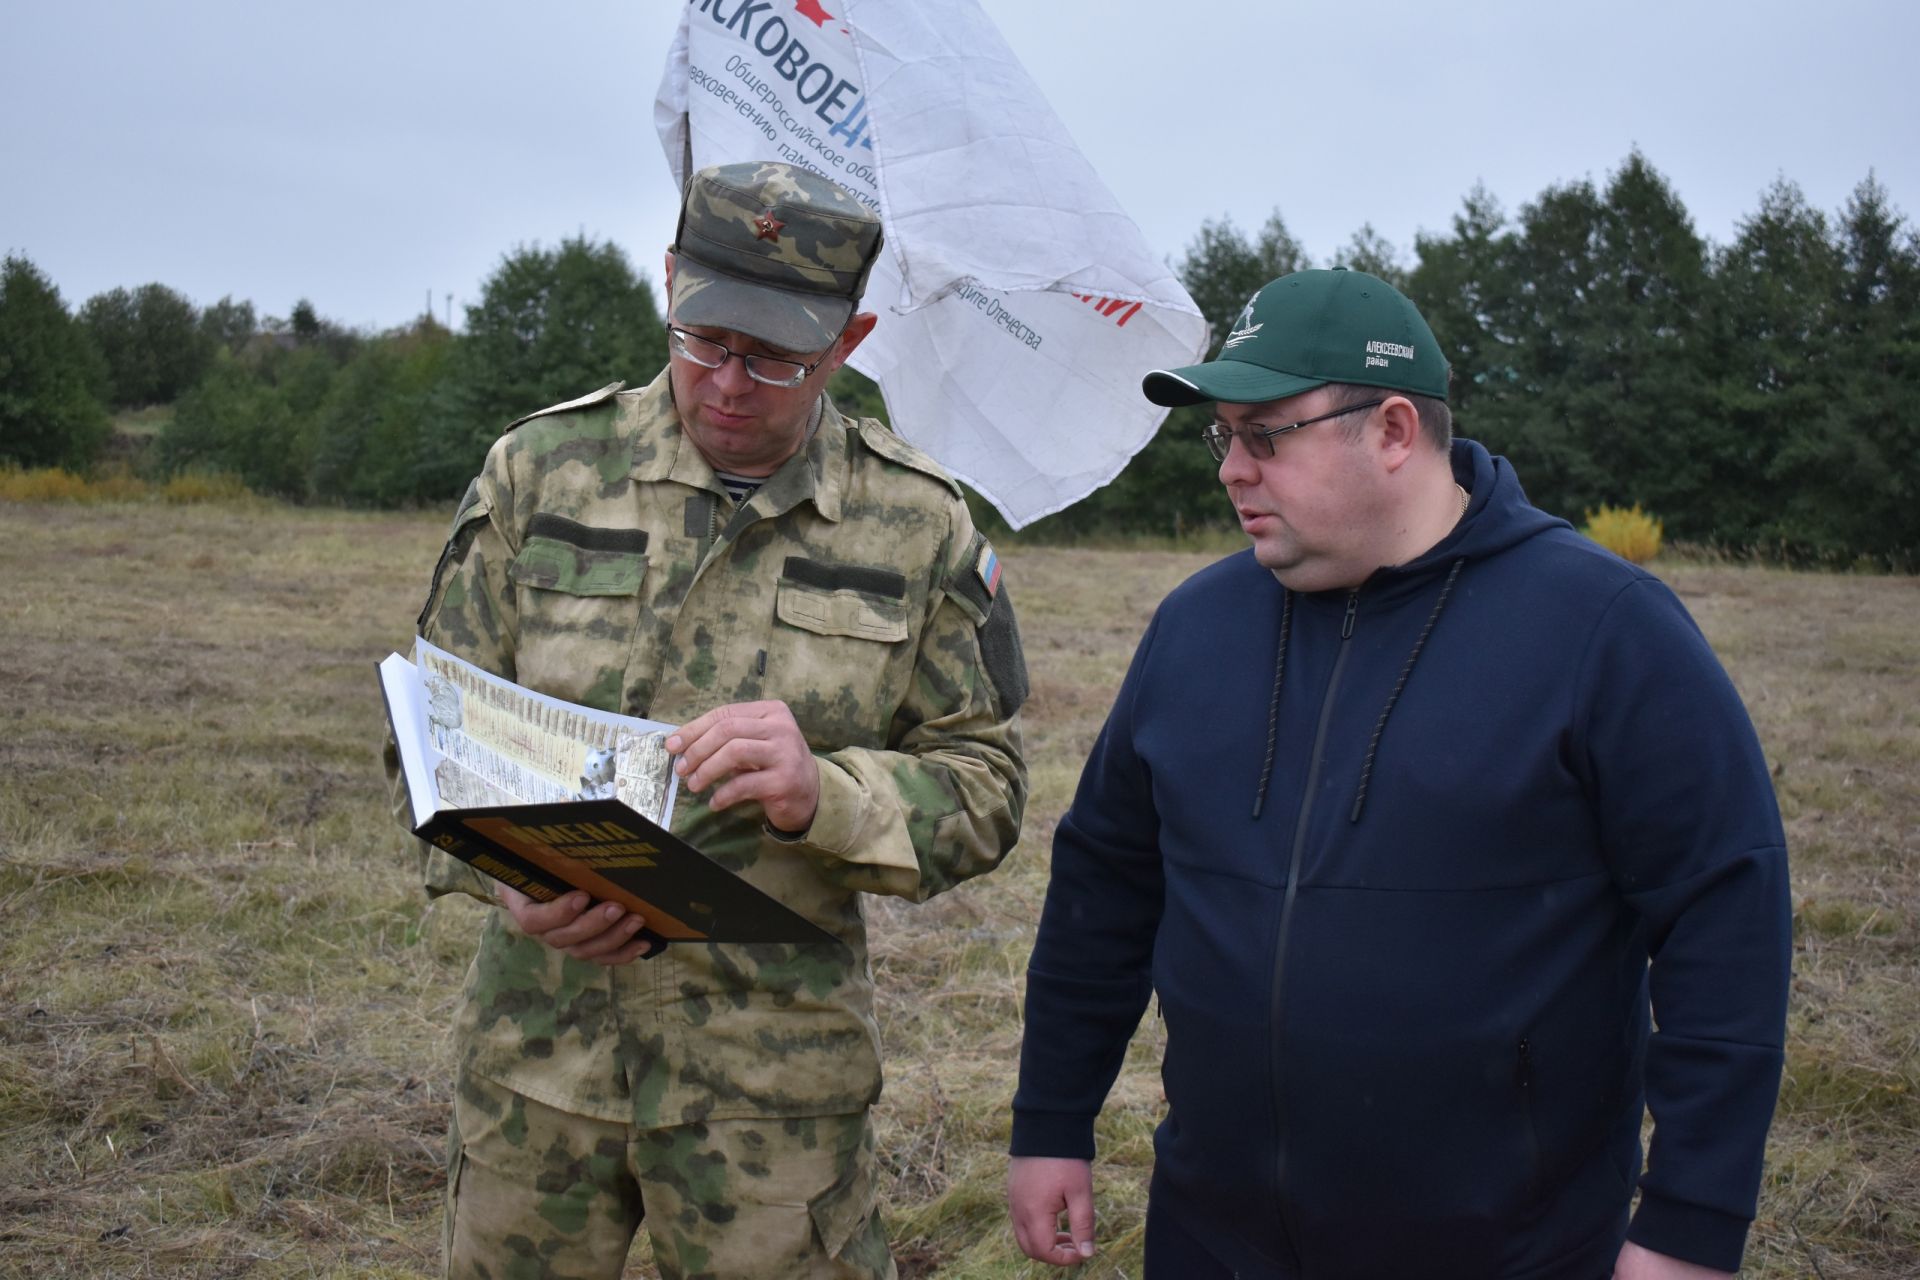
(1366, 768)
(1380, 726)
(1273, 707)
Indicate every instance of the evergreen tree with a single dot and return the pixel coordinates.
(368, 438)
(1608, 315)
(256, 415)
(1463, 285)
(151, 340)
(1222, 268)
(228, 324)
(309, 328)
(305, 322)
(1552, 265)
(112, 324)
(1374, 254)
(1775, 291)
(1655, 447)
(50, 413)
(551, 324)
(237, 422)
(1855, 472)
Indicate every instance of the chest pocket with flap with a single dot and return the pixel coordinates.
(842, 600)
(579, 560)
(578, 591)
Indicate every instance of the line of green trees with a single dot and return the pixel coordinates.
(1751, 394)
(303, 408)
(1754, 395)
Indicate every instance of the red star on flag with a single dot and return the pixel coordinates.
(767, 227)
(812, 12)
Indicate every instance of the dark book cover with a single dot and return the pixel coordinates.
(615, 855)
(593, 842)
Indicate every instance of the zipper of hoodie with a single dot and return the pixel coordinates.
(1286, 904)
(1523, 1076)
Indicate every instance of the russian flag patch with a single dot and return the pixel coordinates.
(988, 567)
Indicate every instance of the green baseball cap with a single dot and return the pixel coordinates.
(773, 251)
(1308, 329)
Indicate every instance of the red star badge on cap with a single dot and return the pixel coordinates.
(767, 227)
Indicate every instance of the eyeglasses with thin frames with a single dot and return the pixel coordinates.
(771, 370)
(1259, 440)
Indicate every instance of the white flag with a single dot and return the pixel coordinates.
(1020, 306)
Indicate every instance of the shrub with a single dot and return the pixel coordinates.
(40, 484)
(1628, 532)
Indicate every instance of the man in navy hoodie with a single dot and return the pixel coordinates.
(1409, 814)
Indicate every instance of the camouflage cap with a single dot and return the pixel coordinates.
(773, 251)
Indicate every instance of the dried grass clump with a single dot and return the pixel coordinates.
(41, 484)
(1628, 532)
(116, 483)
(193, 487)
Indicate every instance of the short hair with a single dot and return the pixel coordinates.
(1436, 419)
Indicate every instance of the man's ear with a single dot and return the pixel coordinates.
(859, 325)
(1399, 432)
(668, 287)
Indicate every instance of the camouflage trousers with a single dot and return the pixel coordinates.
(535, 1193)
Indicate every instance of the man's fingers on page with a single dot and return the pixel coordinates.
(766, 767)
(705, 758)
(700, 739)
(725, 720)
(732, 759)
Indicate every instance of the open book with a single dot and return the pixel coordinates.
(548, 796)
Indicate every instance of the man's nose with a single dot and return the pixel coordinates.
(732, 377)
(1238, 467)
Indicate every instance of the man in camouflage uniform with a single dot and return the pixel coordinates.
(806, 595)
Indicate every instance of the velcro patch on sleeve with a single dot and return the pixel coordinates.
(987, 568)
(965, 585)
(973, 583)
(1004, 657)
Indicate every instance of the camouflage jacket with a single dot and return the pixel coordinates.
(598, 559)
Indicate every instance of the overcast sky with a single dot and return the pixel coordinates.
(363, 154)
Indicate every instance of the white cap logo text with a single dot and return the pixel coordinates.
(1377, 353)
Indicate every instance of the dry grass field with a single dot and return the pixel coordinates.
(223, 1003)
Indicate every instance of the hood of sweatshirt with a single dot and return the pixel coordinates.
(1498, 516)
